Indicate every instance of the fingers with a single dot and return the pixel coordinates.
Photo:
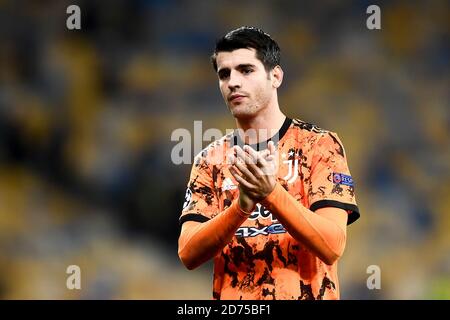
(238, 168)
(245, 171)
(271, 159)
(246, 157)
(264, 154)
(271, 147)
(239, 179)
(253, 165)
(250, 159)
(259, 157)
(256, 156)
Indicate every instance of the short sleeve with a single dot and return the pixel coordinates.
(331, 182)
(200, 201)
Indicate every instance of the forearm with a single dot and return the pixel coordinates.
(320, 235)
(200, 242)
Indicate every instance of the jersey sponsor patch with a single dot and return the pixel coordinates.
(340, 178)
(274, 228)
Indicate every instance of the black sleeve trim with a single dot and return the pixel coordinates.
(193, 217)
(353, 211)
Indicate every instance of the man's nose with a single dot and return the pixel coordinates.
(235, 80)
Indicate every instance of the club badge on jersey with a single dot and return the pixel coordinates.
(292, 174)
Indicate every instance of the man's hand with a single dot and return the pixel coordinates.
(256, 173)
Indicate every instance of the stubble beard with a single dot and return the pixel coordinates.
(243, 110)
(249, 108)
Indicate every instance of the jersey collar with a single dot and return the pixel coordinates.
(263, 145)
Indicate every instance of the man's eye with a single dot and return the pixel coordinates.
(247, 71)
(223, 75)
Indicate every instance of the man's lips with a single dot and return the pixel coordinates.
(236, 97)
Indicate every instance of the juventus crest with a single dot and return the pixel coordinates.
(292, 170)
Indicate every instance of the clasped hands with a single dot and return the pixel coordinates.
(256, 173)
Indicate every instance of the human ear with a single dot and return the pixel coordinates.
(277, 76)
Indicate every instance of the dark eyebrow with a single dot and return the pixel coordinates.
(245, 65)
(239, 67)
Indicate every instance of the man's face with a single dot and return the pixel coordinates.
(245, 85)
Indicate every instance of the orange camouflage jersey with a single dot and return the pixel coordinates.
(263, 261)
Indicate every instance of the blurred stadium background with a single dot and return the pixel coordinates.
(86, 118)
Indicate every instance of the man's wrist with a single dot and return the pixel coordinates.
(243, 212)
(269, 198)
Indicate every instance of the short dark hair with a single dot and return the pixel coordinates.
(267, 50)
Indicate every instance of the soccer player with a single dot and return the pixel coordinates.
(270, 209)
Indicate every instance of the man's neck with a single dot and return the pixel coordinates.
(261, 127)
